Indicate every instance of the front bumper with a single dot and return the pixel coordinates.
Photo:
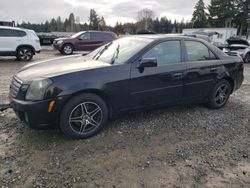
(57, 46)
(35, 114)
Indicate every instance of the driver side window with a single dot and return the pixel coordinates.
(85, 36)
(165, 53)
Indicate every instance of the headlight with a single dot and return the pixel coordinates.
(240, 52)
(37, 89)
(59, 42)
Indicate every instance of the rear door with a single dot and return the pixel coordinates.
(99, 39)
(9, 40)
(159, 85)
(203, 68)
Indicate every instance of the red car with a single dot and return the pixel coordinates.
(85, 40)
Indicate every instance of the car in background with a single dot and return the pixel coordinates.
(22, 43)
(80, 93)
(205, 35)
(238, 47)
(85, 41)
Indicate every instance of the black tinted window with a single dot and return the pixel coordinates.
(9, 33)
(197, 51)
(21, 33)
(165, 52)
(85, 36)
(108, 36)
(98, 36)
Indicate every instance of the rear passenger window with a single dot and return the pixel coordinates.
(9, 33)
(108, 36)
(97, 36)
(165, 52)
(197, 51)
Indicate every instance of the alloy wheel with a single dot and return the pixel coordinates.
(67, 49)
(25, 54)
(85, 118)
(222, 94)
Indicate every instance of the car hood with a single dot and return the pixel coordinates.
(233, 41)
(58, 66)
(62, 38)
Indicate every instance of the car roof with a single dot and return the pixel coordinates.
(13, 28)
(165, 36)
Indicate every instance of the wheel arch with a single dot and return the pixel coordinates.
(27, 46)
(231, 82)
(69, 43)
(91, 91)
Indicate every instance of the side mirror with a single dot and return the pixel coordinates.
(147, 62)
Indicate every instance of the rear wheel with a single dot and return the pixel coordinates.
(83, 116)
(67, 49)
(220, 94)
(24, 54)
(247, 58)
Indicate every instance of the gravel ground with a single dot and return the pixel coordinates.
(184, 146)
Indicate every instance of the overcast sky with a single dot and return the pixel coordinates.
(36, 11)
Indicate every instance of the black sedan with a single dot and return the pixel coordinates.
(80, 93)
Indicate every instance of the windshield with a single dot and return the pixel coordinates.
(119, 51)
(76, 35)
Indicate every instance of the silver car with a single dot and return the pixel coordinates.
(238, 47)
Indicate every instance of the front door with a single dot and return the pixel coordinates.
(159, 85)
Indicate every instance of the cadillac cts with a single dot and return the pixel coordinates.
(79, 94)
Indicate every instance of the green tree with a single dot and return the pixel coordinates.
(199, 15)
(222, 12)
(102, 24)
(59, 24)
(93, 20)
(243, 9)
(53, 25)
(72, 21)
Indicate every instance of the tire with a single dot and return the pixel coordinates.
(67, 49)
(247, 58)
(220, 94)
(83, 116)
(25, 54)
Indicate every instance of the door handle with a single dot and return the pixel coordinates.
(178, 75)
(213, 69)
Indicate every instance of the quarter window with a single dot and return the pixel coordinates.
(197, 51)
(165, 52)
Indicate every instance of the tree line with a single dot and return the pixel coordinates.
(219, 13)
(222, 13)
(73, 24)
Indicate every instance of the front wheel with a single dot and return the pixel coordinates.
(67, 49)
(220, 94)
(83, 116)
(24, 54)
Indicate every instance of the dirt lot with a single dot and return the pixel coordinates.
(185, 146)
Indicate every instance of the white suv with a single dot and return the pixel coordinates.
(22, 43)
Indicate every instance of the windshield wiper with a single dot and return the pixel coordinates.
(98, 54)
(115, 56)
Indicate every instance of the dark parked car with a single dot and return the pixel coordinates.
(80, 93)
(238, 47)
(85, 40)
